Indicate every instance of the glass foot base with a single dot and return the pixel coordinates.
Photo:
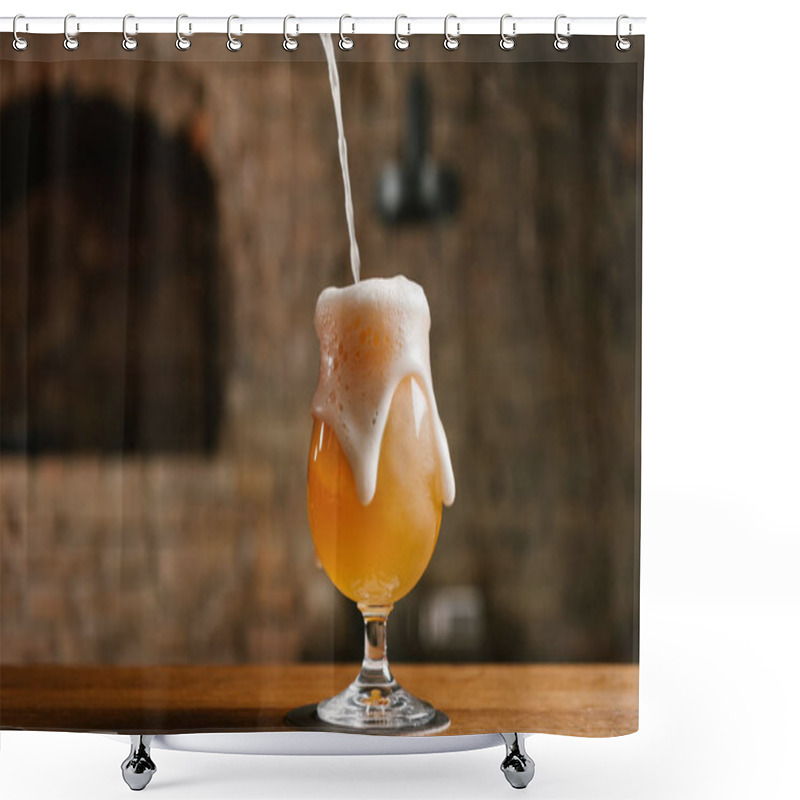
(305, 718)
(365, 706)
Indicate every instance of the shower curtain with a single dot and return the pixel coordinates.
(167, 221)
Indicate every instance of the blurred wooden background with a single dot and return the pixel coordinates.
(166, 226)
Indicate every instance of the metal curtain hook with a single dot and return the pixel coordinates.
(401, 42)
(561, 42)
(507, 42)
(70, 42)
(623, 43)
(19, 43)
(451, 42)
(345, 42)
(129, 42)
(290, 43)
(181, 41)
(234, 43)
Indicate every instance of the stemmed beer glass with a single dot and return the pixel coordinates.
(374, 552)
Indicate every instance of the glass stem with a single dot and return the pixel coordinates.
(375, 670)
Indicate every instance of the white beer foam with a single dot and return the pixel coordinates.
(372, 335)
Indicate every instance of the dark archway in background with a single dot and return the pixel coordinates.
(110, 282)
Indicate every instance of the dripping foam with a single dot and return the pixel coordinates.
(372, 335)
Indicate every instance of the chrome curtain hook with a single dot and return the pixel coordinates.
(234, 43)
(129, 42)
(290, 43)
(345, 42)
(401, 42)
(451, 42)
(182, 42)
(507, 42)
(19, 44)
(70, 42)
(561, 42)
(623, 43)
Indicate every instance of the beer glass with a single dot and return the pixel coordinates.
(376, 552)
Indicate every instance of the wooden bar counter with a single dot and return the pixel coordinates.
(571, 699)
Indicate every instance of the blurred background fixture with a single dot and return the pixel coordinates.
(165, 228)
(417, 189)
(111, 286)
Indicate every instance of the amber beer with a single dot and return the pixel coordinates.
(378, 474)
(376, 553)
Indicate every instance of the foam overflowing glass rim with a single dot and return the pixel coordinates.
(374, 334)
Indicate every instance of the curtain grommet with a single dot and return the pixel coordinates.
(129, 42)
(623, 44)
(451, 41)
(19, 43)
(508, 40)
(70, 42)
(290, 43)
(346, 42)
(561, 42)
(234, 43)
(182, 42)
(401, 42)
